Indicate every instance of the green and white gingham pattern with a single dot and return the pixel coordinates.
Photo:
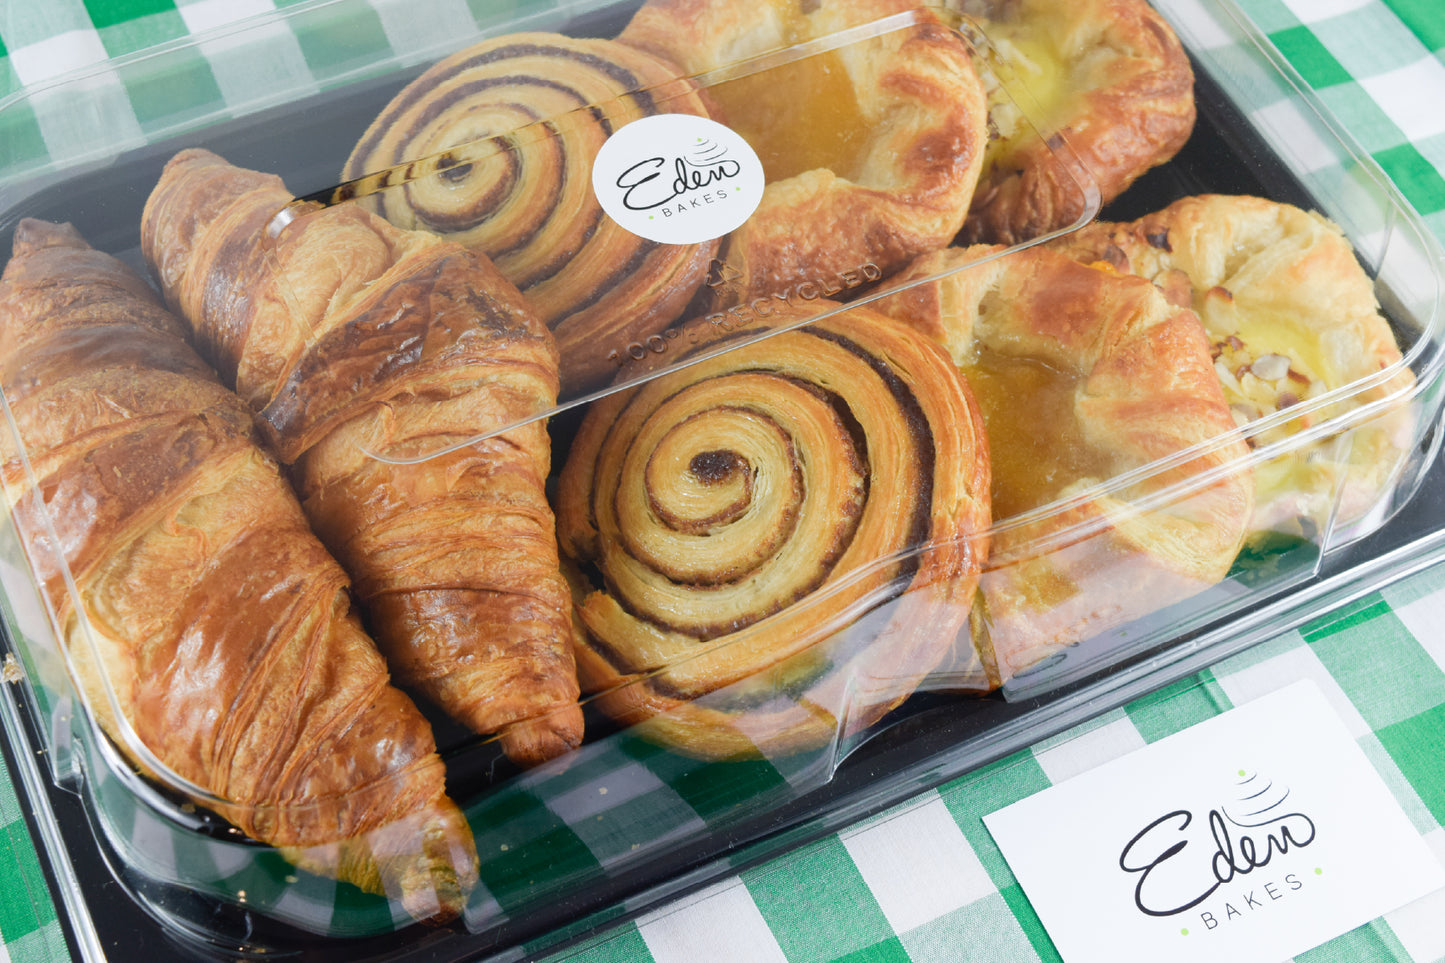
(29, 930)
(1381, 70)
(923, 881)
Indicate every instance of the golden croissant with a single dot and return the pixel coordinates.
(209, 631)
(353, 339)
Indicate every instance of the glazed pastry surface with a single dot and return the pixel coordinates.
(369, 354)
(871, 145)
(1291, 315)
(776, 544)
(207, 624)
(548, 102)
(1083, 375)
(1106, 92)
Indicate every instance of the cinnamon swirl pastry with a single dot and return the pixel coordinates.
(547, 102)
(1291, 316)
(871, 144)
(785, 537)
(1108, 77)
(1083, 375)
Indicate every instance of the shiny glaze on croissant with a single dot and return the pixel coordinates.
(207, 623)
(351, 339)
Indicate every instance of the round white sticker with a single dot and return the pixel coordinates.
(677, 178)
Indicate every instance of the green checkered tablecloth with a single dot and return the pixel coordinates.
(923, 881)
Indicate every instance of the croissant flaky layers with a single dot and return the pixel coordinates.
(207, 623)
(353, 339)
(776, 544)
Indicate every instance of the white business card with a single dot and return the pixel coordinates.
(1253, 836)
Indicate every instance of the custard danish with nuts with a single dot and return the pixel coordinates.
(1106, 91)
(1292, 318)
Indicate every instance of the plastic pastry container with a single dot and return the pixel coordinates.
(640, 813)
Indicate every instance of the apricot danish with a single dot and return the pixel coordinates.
(871, 144)
(1083, 375)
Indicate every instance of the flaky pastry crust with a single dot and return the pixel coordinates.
(551, 101)
(371, 356)
(1110, 93)
(776, 544)
(1291, 315)
(211, 635)
(1101, 376)
(872, 147)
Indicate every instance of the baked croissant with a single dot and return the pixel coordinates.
(550, 101)
(210, 633)
(777, 543)
(362, 348)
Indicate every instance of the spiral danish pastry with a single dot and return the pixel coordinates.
(871, 147)
(786, 536)
(548, 102)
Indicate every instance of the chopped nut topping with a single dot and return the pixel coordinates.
(1270, 367)
(1226, 377)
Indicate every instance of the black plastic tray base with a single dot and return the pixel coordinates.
(917, 748)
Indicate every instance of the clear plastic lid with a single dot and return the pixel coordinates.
(790, 529)
(624, 199)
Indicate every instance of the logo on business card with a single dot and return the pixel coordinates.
(1233, 859)
(1175, 852)
(678, 178)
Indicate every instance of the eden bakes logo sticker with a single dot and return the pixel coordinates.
(1213, 868)
(1188, 857)
(678, 178)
